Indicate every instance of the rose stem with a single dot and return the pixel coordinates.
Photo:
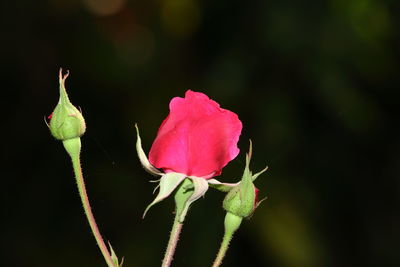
(173, 240)
(232, 223)
(73, 147)
(184, 192)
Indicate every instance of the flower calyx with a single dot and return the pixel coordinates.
(242, 198)
(189, 188)
(66, 121)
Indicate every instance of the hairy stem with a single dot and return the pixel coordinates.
(232, 223)
(184, 192)
(173, 240)
(222, 250)
(73, 148)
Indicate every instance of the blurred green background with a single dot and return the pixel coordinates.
(315, 83)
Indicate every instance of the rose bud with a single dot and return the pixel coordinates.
(66, 121)
(242, 199)
(240, 202)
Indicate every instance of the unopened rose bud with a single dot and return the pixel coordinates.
(66, 121)
(242, 199)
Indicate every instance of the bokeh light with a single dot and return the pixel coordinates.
(104, 7)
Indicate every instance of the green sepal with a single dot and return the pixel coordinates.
(191, 190)
(66, 120)
(183, 193)
(241, 199)
(142, 156)
(254, 177)
(168, 183)
(223, 187)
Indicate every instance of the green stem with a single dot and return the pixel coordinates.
(73, 147)
(173, 240)
(222, 250)
(232, 223)
(183, 193)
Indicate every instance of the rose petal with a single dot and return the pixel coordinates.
(198, 138)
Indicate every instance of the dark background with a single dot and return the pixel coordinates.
(315, 83)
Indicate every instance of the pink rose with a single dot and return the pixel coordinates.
(198, 138)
